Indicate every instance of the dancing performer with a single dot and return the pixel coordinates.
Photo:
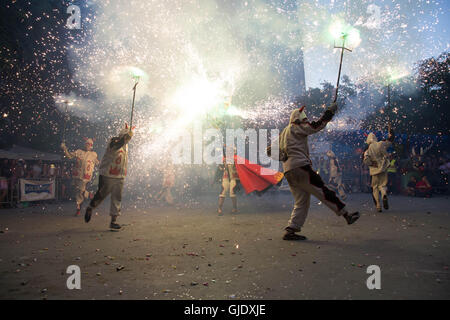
(86, 160)
(113, 170)
(335, 179)
(303, 180)
(376, 158)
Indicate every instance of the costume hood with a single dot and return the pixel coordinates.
(298, 114)
(371, 138)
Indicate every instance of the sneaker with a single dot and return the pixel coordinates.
(293, 236)
(352, 217)
(385, 203)
(114, 225)
(78, 212)
(88, 214)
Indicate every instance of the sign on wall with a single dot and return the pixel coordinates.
(35, 190)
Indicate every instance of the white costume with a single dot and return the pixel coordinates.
(376, 158)
(82, 172)
(113, 169)
(303, 180)
(335, 179)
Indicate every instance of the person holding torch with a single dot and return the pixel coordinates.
(302, 179)
(86, 160)
(113, 169)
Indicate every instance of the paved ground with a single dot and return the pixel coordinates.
(169, 253)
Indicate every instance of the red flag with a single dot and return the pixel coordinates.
(254, 177)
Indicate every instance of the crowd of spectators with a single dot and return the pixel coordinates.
(420, 175)
(11, 170)
(425, 175)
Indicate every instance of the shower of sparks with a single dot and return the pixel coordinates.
(198, 60)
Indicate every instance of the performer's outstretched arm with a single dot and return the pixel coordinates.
(307, 128)
(67, 153)
(119, 142)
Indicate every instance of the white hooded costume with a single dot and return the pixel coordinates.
(82, 172)
(335, 174)
(113, 169)
(303, 180)
(376, 158)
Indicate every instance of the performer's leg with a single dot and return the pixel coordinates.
(116, 201)
(312, 183)
(104, 189)
(225, 188)
(301, 204)
(376, 192)
(79, 186)
(233, 195)
(383, 181)
(116, 197)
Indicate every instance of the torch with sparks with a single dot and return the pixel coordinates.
(346, 34)
(67, 103)
(136, 74)
(392, 75)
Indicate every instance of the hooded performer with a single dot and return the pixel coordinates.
(303, 180)
(113, 170)
(377, 158)
(335, 179)
(86, 160)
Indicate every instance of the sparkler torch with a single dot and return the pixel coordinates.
(134, 95)
(67, 103)
(343, 37)
(136, 74)
(348, 35)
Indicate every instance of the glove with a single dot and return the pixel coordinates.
(333, 107)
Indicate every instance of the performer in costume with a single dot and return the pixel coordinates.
(303, 180)
(229, 183)
(86, 160)
(376, 158)
(335, 179)
(113, 170)
(167, 184)
(252, 177)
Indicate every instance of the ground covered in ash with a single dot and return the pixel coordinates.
(191, 253)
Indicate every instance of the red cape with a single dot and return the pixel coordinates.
(251, 177)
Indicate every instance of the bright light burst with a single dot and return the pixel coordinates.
(395, 73)
(198, 96)
(339, 30)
